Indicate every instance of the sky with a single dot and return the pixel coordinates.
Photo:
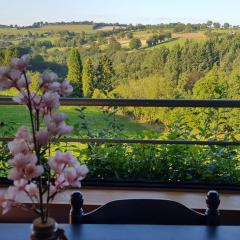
(25, 12)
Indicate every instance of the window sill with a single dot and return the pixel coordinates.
(98, 196)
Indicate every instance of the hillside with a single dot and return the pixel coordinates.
(55, 32)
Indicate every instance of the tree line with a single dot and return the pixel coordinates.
(88, 78)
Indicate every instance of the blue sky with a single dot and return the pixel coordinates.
(25, 12)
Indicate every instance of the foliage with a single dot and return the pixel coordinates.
(104, 75)
(156, 39)
(88, 78)
(75, 71)
(6, 130)
(135, 43)
(113, 46)
(162, 163)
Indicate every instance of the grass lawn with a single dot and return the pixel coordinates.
(17, 116)
(49, 38)
(171, 43)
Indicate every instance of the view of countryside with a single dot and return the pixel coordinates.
(134, 49)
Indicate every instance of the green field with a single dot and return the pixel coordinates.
(178, 38)
(49, 28)
(171, 43)
(17, 116)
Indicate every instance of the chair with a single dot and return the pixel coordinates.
(145, 211)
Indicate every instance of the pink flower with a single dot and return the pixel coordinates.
(53, 87)
(82, 170)
(4, 71)
(18, 146)
(61, 182)
(7, 206)
(58, 117)
(11, 193)
(14, 75)
(21, 99)
(64, 158)
(15, 174)
(23, 133)
(36, 101)
(32, 189)
(55, 166)
(70, 174)
(50, 100)
(52, 127)
(64, 129)
(52, 189)
(21, 63)
(56, 125)
(72, 177)
(20, 184)
(65, 88)
(61, 161)
(74, 174)
(9, 201)
(48, 77)
(5, 82)
(32, 171)
(42, 136)
(21, 160)
(22, 83)
(2, 199)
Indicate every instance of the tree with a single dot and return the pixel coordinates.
(209, 23)
(88, 78)
(180, 27)
(174, 64)
(75, 71)
(153, 41)
(226, 25)
(113, 46)
(168, 35)
(104, 75)
(208, 56)
(157, 59)
(189, 28)
(216, 25)
(135, 43)
(129, 35)
(187, 82)
(203, 26)
(7, 54)
(29, 34)
(210, 87)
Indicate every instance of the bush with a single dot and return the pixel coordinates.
(135, 43)
(162, 163)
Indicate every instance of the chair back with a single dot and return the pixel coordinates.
(145, 211)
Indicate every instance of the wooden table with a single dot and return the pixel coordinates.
(129, 232)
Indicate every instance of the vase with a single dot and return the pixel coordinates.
(44, 231)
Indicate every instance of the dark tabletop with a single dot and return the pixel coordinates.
(128, 232)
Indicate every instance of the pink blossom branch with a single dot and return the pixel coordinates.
(35, 144)
(24, 207)
(29, 151)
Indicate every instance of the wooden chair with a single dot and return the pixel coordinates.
(145, 211)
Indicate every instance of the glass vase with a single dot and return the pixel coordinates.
(44, 231)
